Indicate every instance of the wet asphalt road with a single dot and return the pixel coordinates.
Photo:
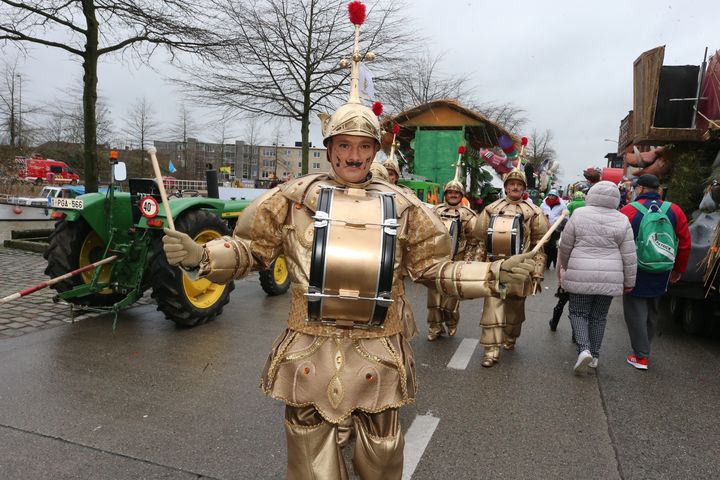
(152, 401)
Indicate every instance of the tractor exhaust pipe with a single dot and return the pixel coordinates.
(211, 175)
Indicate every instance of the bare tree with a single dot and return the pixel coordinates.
(252, 150)
(508, 115)
(539, 147)
(93, 28)
(9, 101)
(140, 125)
(419, 80)
(281, 56)
(183, 128)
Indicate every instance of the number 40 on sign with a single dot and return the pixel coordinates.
(149, 207)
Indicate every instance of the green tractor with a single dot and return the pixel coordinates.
(130, 225)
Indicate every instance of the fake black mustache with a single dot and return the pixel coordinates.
(354, 164)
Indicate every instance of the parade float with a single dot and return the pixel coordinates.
(673, 132)
(428, 140)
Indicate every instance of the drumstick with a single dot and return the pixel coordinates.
(158, 177)
(550, 231)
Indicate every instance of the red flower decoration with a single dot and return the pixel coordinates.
(461, 149)
(356, 12)
(396, 129)
(377, 107)
(524, 141)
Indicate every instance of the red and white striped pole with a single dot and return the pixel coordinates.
(55, 280)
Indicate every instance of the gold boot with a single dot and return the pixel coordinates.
(434, 331)
(451, 329)
(490, 356)
(509, 344)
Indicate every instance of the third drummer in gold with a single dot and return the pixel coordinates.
(502, 319)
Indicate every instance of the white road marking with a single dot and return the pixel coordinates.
(464, 352)
(416, 440)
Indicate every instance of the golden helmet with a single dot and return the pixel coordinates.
(379, 171)
(391, 164)
(454, 185)
(353, 118)
(515, 174)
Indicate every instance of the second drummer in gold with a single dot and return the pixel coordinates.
(501, 320)
(443, 310)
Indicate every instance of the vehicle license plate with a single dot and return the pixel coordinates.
(68, 203)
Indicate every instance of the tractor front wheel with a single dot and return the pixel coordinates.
(73, 245)
(184, 301)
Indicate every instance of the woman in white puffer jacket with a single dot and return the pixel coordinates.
(597, 252)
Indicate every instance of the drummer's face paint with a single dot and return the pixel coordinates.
(514, 189)
(452, 197)
(351, 156)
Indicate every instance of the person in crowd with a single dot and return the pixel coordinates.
(502, 319)
(552, 207)
(640, 305)
(393, 170)
(562, 296)
(597, 252)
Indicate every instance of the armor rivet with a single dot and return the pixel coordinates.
(227, 245)
(369, 377)
(300, 183)
(298, 206)
(306, 370)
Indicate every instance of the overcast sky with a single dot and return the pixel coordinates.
(568, 63)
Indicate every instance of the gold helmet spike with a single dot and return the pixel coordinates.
(455, 184)
(353, 118)
(517, 173)
(391, 163)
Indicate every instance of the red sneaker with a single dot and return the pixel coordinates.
(637, 362)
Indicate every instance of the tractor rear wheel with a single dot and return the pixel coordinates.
(186, 302)
(73, 245)
(276, 279)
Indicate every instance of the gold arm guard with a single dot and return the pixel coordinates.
(227, 259)
(470, 279)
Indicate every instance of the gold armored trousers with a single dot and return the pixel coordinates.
(314, 450)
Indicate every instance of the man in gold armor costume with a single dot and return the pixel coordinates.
(502, 319)
(333, 375)
(444, 309)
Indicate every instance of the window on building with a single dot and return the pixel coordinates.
(299, 164)
(316, 165)
(316, 154)
(287, 151)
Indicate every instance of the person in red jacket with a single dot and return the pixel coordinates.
(640, 305)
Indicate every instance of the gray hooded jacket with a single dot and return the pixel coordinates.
(597, 247)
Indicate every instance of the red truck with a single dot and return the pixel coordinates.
(38, 170)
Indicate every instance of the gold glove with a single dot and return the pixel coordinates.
(517, 268)
(181, 250)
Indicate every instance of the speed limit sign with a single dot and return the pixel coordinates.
(149, 207)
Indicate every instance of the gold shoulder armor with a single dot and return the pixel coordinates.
(404, 197)
(299, 190)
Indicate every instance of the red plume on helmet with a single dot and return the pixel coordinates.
(377, 108)
(524, 141)
(461, 149)
(396, 129)
(356, 12)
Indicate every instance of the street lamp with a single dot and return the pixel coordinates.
(609, 140)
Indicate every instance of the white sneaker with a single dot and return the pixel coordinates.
(582, 363)
(594, 363)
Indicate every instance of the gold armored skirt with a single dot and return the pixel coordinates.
(340, 374)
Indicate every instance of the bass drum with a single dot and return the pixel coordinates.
(453, 226)
(504, 236)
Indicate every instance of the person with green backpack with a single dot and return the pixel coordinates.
(662, 240)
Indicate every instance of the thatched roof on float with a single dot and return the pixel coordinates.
(480, 131)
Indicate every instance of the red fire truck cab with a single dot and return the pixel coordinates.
(38, 170)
